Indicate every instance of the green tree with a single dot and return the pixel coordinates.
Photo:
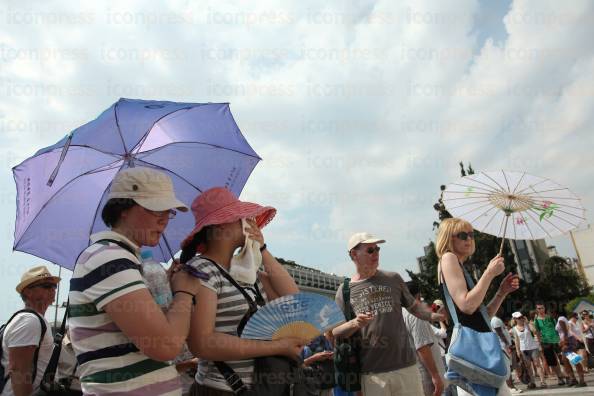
(556, 285)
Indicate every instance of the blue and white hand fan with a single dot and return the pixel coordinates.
(301, 315)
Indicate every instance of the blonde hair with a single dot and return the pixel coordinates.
(447, 229)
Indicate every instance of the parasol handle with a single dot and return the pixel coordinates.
(504, 231)
(167, 245)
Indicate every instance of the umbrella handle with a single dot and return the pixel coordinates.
(504, 232)
(167, 245)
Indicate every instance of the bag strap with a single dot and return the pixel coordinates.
(346, 298)
(250, 301)
(36, 354)
(50, 371)
(450, 301)
(233, 380)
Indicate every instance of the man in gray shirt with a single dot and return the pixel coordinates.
(377, 297)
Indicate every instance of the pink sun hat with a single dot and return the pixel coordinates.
(220, 206)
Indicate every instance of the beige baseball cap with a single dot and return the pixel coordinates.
(149, 188)
(36, 274)
(362, 237)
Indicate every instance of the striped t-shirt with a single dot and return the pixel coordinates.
(109, 363)
(231, 307)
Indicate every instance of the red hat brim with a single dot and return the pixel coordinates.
(236, 211)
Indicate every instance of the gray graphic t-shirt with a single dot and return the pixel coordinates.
(385, 345)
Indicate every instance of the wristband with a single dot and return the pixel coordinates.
(263, 248)
(188, 293)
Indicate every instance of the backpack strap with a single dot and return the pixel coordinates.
(36, 354)
(121, 244)
(49, 375)
(346, 298)
(233, 380)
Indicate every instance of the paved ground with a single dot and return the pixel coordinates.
(554, 389)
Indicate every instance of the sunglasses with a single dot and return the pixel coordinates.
(465, 235)
(165, 213)
(45, 286)
(371, 250)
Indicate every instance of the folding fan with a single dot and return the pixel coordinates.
(301, 315)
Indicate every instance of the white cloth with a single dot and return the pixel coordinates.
(588, 330)
(498, 323)
(527, 341)
(25, 330)
(558, 326)
(245, 264)
(575, 329)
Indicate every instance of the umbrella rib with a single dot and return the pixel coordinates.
(569, 214)
(71, 146)
(533, 185)
(145, 135)
(514, 225)
(495, 181)
(492, 217)
(489, 188)
(564, 205)
(530, 231)
(564, 219)
(466, 192)
(151, 151)
(544, 191)
(489, 191)
(115, 113)
(60, 189)
(519, 182)
(556, 198)
(479, 207)
(100, 200)
(505, 178)
(172, 172)
(530, 213)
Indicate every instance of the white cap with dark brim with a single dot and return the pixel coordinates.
(149, 188)
(362, 237)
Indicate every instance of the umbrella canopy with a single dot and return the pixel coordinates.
(514, 205)
(62, 188)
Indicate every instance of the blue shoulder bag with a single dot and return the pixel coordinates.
(475, 360)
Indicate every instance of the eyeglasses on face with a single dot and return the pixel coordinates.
(45, 286)
(371, 250)
(465, 235)
(170, 214)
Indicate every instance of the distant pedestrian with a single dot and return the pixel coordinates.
(549, 339)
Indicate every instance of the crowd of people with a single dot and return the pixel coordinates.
(121, 342)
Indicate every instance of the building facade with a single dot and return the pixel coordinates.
(312, 280)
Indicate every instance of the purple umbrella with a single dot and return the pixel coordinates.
(62, 188)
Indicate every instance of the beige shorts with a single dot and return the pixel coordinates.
(402, 382)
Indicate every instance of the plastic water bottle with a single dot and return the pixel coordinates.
(573, 358)
(156, 279)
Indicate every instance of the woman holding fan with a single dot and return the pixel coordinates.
(224, 224)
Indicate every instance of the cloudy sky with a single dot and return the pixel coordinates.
(359, 111)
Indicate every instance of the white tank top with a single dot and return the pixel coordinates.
(527, 341)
